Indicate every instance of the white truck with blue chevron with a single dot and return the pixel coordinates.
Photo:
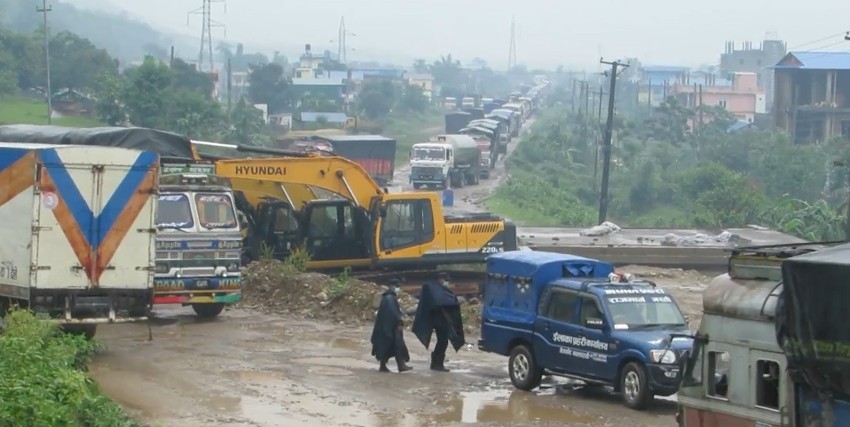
(77, 241)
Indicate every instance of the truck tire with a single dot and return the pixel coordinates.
(85, 330)
(633, 386)
(417, 185)
(523, 370)
(208, 311)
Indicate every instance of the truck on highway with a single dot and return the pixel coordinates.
(487, 154)
(467, 102)
(450, 103)
(375, 153)
(506, 118)
(445, 160)
(78, 235)
(456, 120)
(198, 238)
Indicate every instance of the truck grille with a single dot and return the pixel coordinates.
(425, 170)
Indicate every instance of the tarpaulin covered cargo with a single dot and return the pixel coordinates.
(812, 319)
(165, 144)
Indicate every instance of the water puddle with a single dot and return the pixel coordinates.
(508, 406)
(336, 362)
(344, 343)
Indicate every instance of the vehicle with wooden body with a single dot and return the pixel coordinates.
(78, 235)
(738, 374)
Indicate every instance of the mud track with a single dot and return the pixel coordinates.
(250, 369)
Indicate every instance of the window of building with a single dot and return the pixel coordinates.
(717, 380)
(722, 103)
(767, 384)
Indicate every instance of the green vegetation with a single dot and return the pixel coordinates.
(32, 112)
(44, 380)
(409, 128)
(666, 175)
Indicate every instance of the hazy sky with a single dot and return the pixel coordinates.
(549, 32)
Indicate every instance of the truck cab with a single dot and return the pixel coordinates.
(199, 242)
(430, 163)
(563, 315)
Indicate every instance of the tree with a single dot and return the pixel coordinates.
(109, 97)
(186, 77)
(448, 73)
(421, 66)
(147, 94)
(246, 124)
(377, 98)
(76, 62)
(412, 99)
(267, 85)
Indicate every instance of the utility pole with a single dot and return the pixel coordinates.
(587, 99)
(596, 145)
(229, 85)
(44, 9)
(649, 98)
(606, 146)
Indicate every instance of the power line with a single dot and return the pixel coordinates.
(44, 9)
(606, 146)
(207, 25)
(817, 41)
(512, 48)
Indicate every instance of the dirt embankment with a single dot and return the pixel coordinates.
(273, 287)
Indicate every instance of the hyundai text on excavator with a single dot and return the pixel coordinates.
(343, 218)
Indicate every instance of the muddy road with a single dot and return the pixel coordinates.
(250, 369)
(468, 198)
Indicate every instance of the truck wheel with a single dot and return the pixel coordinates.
(417, 186)
(524, 372)
(85, 330)
(633, 386)
(208, 311)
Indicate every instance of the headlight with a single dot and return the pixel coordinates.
(662, 356)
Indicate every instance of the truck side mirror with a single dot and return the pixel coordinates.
(594, 323)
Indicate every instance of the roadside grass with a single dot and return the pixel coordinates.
(519, 215)
(44, 379)
(411, 128)
(32, 112)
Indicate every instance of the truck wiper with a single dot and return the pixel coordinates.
(170, 227)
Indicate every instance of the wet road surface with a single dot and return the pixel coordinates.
(250, 369)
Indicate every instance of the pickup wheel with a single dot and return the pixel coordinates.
(633, 386)
(524, 372)
(208, 311)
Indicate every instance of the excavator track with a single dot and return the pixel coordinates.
(463, 283)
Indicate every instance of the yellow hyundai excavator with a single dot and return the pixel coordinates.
(342, 217)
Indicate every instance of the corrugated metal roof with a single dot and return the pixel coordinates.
(329, 117)
(815, 61)
(316, 82)
(664, 69)
(349, 138)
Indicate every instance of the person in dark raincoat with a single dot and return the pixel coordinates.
(388, 333)
(439, 312)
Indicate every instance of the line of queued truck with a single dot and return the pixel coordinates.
(476, 135)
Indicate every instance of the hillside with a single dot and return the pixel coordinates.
(124, 38)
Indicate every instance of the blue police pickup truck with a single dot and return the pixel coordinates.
(558, 314)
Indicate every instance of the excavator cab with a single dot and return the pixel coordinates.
(337, 230)
(274, 227)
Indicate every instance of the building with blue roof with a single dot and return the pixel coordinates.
(812, 95)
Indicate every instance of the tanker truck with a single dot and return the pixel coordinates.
(445, 160)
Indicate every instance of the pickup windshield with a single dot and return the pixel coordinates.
(636, 311)
(215, 211)
(429, 154)
(173, 211)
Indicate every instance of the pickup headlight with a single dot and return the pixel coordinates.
(662, 356)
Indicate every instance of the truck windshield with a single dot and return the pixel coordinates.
(215, 211)
(429, 154)
(635, 311)
(173, 211)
